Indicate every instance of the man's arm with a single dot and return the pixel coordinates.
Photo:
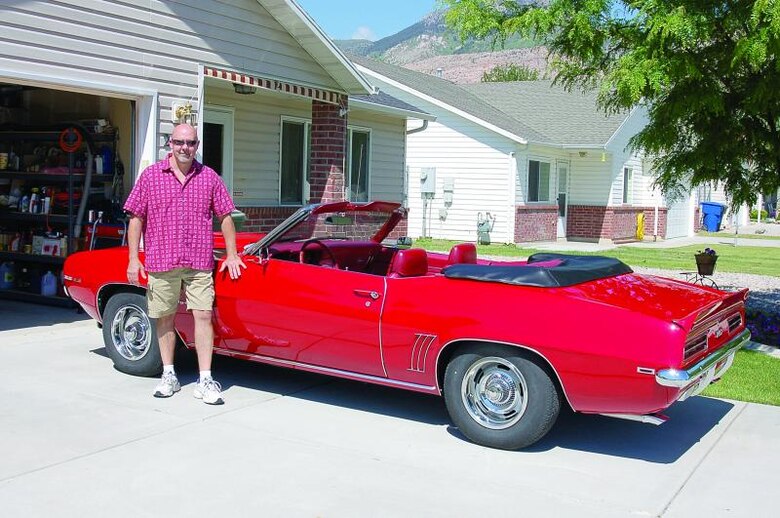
(134, 266)
(233, 262)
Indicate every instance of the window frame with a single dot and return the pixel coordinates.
(540, 161)
(348, 176)
(628, 185)
(306, 151)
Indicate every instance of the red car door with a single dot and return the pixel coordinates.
(302, 313)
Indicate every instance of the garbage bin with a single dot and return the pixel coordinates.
(238, 220)
(712, 215)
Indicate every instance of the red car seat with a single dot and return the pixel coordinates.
(463, 253)
(411, 262)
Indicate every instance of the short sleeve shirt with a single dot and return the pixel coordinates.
(177, 218)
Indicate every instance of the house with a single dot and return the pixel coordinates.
(523, 162)
(282, 114)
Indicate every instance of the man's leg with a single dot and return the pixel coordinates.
(166, 338)
(204, 338)
(200, 300)
(163, 298)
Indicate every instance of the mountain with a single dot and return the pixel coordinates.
(429, 46)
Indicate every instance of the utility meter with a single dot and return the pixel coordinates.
(428, 181)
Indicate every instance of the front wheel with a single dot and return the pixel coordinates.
(500, 397)
(130, 335)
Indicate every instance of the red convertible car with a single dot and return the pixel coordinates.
(506, 343)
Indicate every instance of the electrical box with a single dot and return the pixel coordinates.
(428, 181)
(449, 188)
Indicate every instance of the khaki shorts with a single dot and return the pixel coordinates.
(162, 296)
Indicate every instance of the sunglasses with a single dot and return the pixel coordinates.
(180, 143)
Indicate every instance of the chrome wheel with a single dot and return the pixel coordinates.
(494, 393)
(131, 332)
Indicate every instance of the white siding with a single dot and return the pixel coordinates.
(476, 160)
(386, 170)
(591, 179)
(149, 45)
(638, 195)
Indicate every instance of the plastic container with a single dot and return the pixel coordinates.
(7, 272)
(49, 284)
(712, 215)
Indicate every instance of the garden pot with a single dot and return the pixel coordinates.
(705, 263)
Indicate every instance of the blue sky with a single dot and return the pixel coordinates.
(368, 19)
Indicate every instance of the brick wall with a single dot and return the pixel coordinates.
(588, 222)
(536, 223)
(593, 223)
(264, 219)
(328, 142)
(649, 215)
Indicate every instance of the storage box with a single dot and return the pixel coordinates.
(51, 247)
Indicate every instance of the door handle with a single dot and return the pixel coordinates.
(367, 293)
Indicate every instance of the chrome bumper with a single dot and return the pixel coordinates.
(700, 375)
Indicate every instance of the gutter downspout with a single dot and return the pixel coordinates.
(417, 130)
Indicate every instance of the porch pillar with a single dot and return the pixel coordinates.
(328, 145)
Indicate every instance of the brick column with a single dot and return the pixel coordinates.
(328, 143)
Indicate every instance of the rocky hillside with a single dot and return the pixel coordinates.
(429, 45)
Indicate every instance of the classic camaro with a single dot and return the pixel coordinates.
(506, 343)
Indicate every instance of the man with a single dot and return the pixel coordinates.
(172, 204)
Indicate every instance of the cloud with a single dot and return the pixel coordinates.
(363, 33)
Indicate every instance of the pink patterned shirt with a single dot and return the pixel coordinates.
(178, 218)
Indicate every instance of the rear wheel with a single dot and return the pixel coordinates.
(500, 397)
(130, 335)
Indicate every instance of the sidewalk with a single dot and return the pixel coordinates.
(768, 230)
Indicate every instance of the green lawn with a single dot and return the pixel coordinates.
(754, 377)
(740, 259)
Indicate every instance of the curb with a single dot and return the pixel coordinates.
(763, 348)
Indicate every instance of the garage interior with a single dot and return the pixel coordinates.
(63, 159)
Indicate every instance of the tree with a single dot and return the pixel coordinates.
(707, 73)
(510, 72)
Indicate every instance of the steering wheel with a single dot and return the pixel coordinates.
(327, 251)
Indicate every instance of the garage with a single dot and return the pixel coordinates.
(63, 157)
(679, 218)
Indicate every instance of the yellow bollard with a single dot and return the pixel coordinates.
(640, 226)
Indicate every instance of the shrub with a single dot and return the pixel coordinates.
(754, 214)
(510, 72)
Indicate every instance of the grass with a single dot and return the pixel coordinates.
(739, 259)
(753, 378)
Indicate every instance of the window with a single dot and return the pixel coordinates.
(538, 181)
(294, 161)
(628, 189)
(359, 142)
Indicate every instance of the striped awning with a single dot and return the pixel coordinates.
(319, 94)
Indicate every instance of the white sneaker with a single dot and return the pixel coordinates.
(168, 385)
(209, 391)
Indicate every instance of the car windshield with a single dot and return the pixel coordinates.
(351, 226)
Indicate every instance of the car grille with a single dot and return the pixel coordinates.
(698, 340)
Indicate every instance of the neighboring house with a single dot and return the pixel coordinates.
(280, 111)
(545, 163)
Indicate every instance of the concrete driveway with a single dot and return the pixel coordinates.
(78, 438)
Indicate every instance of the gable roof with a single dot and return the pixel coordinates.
(305, 30)
(570, 119)
(528, 111)
(453, 96)
(385, 103)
